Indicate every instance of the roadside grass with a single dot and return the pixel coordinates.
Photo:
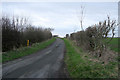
(24, 51)
(81, 65)
(114, 44)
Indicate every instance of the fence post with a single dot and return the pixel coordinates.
(27, 42)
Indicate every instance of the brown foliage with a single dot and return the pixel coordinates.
(94, 38)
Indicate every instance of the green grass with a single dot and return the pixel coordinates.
(114, 44)
(79, 64)
(24, 51)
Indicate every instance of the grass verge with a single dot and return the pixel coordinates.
(81, 65)
(11, 55)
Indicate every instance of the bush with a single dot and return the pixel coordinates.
(95, 37)
(10, 34)
(36, 34)
(16, 32)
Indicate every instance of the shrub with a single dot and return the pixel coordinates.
(95, 38)
(16, 32)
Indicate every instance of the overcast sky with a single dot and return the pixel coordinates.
(62, 16)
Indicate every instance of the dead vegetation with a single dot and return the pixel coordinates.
(95, 39)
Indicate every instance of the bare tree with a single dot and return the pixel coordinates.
(16, 31)
(81, 17)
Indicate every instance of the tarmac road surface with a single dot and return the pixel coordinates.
(47, 63)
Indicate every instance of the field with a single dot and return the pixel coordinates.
(114, 44)
(82, 65)
(11, 55)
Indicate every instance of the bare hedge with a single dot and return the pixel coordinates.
(95, 37)
(16, 32)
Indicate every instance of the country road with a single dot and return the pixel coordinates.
(47, 63)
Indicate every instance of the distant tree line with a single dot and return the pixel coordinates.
(95, 38)
(16, 31)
